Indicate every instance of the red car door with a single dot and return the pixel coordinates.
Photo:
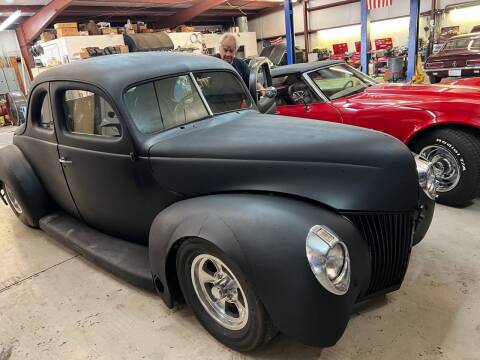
(317, 111)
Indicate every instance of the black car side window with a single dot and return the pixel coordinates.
(287, 85)
(46, 118)
(90, 114)
(164, 104)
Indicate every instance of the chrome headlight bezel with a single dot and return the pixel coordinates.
(426, 177)
(319, 244)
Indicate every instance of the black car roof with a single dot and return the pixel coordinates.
(301, 68)
(116, 72)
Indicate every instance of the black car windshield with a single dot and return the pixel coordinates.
(340, 80)
(464, 43)
(175, 101)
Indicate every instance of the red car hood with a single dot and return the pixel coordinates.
(420, 93)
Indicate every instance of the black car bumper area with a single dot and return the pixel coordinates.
(423, 217)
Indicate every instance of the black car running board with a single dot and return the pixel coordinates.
(127, 260)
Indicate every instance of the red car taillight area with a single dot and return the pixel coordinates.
(473, 63)
(434, 65)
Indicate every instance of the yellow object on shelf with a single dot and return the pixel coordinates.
(65, 25)
(67, 32)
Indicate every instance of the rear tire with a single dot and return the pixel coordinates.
(456, 154)
(244, 327)
(20, 211)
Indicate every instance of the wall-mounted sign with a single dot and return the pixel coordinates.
(340, 49)
(383, 44)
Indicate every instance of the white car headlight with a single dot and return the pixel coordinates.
(426, 177)
(329, 260)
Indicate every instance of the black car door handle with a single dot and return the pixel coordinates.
(62, 160)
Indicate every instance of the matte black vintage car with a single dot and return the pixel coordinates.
(160, 168)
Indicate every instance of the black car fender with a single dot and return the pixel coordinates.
(265, 235)
(17, 173)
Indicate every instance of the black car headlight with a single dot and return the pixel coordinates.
(426, 177)
(329, 260)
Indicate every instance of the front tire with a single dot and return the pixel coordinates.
(221, 297)
(456, 157)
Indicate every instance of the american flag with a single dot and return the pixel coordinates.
(373, 4)
(276, 41)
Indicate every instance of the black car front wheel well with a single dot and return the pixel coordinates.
(171, 273)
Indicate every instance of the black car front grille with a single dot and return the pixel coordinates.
(389, 237)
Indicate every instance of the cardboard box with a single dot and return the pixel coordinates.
(46, 36)
(108, 31)
(84, 54)
(66, 25)
(67, 32)
(123, 49)
(82, 112)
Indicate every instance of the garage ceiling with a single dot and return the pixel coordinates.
(157, 12)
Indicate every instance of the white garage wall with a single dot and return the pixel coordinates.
(467, 18)
(9, 44)
(346, 15)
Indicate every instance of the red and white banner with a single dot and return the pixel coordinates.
(373, 4)
(276, 41)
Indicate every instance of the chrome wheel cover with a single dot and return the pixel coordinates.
(13, 200)
(445, 165)
(219, 292)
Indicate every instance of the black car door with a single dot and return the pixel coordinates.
(96, 152)
(39, 145)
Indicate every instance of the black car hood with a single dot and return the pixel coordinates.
(344, 167)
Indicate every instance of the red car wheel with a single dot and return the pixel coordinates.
(456, 157)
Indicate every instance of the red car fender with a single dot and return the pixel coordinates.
(424, 127)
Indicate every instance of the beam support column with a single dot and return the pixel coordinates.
(365, 36)
(289, 31)
(413, 38)
(31, 28)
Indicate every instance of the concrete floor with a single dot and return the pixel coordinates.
(56, 305)
(6, 133)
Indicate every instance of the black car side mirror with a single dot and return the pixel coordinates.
(271, 92)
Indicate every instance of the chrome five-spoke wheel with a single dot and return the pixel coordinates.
(446, 166)
(219, 292)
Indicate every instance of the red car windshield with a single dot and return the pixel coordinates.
(340, 80)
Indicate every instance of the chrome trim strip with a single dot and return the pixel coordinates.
(446, 69)
(192, 77)
(314, 87)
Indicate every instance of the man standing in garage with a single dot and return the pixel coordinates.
(228, 52)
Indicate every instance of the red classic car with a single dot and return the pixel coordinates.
(439, 122)
(460, 56)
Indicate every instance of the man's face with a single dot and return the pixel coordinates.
(227, 50)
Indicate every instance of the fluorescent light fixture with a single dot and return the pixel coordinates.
(471, 13)
(14, 16)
